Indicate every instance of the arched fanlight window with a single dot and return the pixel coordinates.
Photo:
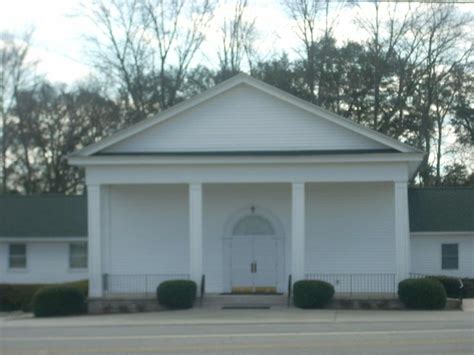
(253, 225)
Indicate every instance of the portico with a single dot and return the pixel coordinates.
(286, 214)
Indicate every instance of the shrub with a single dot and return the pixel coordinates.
(451, 285)
(17, 297)
(177, 294)
(426, 293)
(312, 293)
(468, 289)
(82, 285)
(20, 296)
(5, 292)
(58, 301)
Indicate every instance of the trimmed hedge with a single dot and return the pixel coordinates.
(15, 297)
(312, 293)
(177, 294)
(427, 293)
(82, 285)
(58, 301)
(451, 285)
(468, 290)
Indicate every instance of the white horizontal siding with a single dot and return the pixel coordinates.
(350, 228)
(426, 253)
(244, 119)
(47, 262)
(148, 230)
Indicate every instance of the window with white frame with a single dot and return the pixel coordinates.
(449, 256)
(78, 255)
(17, 256)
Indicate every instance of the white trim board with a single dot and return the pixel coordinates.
(443, 234)
(42, 239)
(157, 160)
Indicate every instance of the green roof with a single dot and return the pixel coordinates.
(43, 216)
(441, 209)
(431, 210)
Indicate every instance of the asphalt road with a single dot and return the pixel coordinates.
(449, 334)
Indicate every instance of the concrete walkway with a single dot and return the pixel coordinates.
(468, 305)
(199, 316)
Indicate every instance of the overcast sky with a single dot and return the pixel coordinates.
(59, 30)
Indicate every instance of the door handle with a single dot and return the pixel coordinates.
(255, 267)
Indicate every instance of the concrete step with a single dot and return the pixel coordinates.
(244, 301)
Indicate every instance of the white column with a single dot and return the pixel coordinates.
(195, 232)
(297, 231)
(94, 210)
(402, 231)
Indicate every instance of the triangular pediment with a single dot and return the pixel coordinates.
(245, 115)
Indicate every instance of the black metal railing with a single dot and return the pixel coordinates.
(358, 283)
(203, 289)
(144, 284)
(416, 275)
(290, 290)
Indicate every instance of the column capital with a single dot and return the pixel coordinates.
(298, 185)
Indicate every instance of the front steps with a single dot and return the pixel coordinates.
(242, 301)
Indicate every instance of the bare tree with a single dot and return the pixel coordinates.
(305, 13)
(237, 41)
(463, 118)
(14, 69)
(50, 123)
(392, 46)
(444, 32)
(179, 28)
(121, 50)
(315, 22)
(148, 46)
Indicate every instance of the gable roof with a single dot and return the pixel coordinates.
(227, 85)
(43, 216)
(441, 209)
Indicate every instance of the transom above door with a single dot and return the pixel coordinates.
(254, 255)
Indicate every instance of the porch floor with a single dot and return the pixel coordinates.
(337, 295)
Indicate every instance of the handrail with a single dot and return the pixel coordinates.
(289, 290)
(203, 288)
(145, 284)
(358, 283)
(105, 281)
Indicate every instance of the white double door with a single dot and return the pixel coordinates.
(254, 265)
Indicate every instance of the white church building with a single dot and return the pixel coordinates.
(247, 185)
